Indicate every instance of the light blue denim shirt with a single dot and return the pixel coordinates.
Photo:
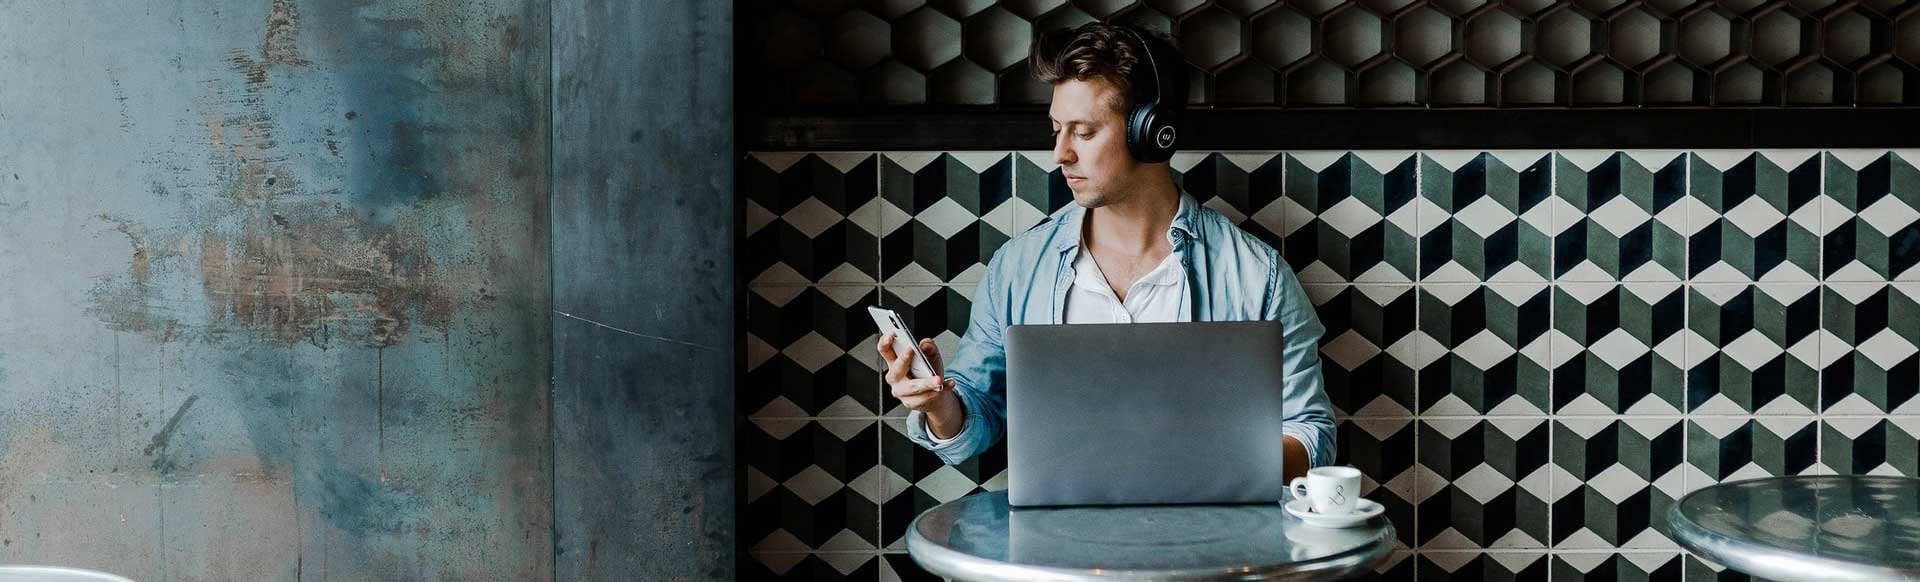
(1232, 276)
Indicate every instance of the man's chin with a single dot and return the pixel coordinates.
(1090, 200)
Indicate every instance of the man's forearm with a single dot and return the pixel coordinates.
(946, 421)
(1295, 459)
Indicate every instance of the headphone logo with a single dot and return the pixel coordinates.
(1164, 137)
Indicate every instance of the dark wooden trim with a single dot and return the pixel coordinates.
(1370, 129)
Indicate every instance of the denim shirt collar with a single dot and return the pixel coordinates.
(1180, 233)
(1067, 226)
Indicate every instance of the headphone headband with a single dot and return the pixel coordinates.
(1151, 132)
(1152, 64)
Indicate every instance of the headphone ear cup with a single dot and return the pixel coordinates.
(1153, 123)
(1139, 140)
(1166, 133)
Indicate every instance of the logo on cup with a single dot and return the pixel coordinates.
(1326, 489)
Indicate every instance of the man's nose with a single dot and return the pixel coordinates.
(1062, 150)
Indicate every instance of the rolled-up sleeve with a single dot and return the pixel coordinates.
(1309, 412)
(979, 372)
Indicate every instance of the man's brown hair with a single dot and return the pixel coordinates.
(1099, 51)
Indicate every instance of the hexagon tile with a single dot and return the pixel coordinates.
(822, 54)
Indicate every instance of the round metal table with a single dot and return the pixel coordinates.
(980, 538)
(1829, 528)
(52, 574)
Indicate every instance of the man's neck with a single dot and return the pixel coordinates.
(1138, 226)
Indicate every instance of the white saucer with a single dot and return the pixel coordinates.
(1364, 510)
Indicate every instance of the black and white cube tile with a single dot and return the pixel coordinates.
(1382, 448)
(1619, 348)
(1618, 567)
(1874, 221)
(1871, 445)
(1869, 334)
(1351, 216)
(915, 480)
(1627, 219)
(1614, 480)
(810, 218)
(1370, 352)
(811, 485)
(1753, 348)
(1731, 448)
(1495, 359)
(1483, 483)
(1755, 216)
(1460, 566)
(1486, 217)
(1244, 187)
(810, 352)
(1398, 567)
(1039, 186)
(832, 566)
(944, 215)
(901, 567)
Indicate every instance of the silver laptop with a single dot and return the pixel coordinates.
(1144, 413)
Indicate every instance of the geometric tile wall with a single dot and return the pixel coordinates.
(1532, 354)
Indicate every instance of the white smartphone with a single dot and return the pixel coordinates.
(905, 344)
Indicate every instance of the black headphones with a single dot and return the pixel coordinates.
(1152, 132)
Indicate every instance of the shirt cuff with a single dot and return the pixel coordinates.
(935, 438)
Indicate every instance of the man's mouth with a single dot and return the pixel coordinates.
(1075, 179)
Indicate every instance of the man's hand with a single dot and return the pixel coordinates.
(933, 396)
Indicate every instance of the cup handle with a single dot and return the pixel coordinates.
(1298, 487)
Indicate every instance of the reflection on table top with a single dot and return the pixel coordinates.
(981, 537)
(1806, 528)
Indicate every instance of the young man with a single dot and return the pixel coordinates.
(1132, 248)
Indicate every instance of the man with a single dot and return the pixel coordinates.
(1132, 248)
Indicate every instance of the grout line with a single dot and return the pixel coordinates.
(1415, 545)
(880, 294)
(1820, 344)
(1686, 320)
(1553, 190)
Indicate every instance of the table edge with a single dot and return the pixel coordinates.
(947, 563)
(1738, 554)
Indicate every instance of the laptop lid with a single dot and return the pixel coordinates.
(1153, 413)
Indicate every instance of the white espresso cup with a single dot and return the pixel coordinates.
(1329, 490)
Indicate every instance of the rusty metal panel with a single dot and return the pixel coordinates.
(273, 289)
(643, 217)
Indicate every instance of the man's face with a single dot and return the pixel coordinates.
(1090, 142)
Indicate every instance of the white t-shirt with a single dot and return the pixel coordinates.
(1157, 297)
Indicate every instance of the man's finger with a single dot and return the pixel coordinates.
(918, 401)
(913, 387)
(897, 370)
(932, 351)
(885, 346)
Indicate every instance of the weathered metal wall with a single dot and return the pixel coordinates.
(643, 217)
(273, 288)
